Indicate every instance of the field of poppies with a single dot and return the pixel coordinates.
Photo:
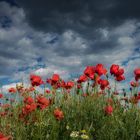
(87, 108)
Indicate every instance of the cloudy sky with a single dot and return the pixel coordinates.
(53, 36)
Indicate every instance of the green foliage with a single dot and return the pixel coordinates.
(80, 113)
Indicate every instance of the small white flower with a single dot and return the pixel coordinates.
(74, 134)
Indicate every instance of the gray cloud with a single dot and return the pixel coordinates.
(80, 15)
(67, 40)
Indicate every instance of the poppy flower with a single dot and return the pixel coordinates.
(108, 110)
(114, 69)
(134, 84)
(69, 85)
(42, 102)
(89, 71)
(1, 95)
(117, 72)
(82, 78)
(31, 89)
(2, 137)
(12, 90)
(62, 83)
(55, 78)
(103, 83)
(120, 72)
(137, 74)
(84, 94)
(28, 100)
(100, 70)
(120, 78)
(48, 91)
(58, 114)
(36, 80)
(28, 108)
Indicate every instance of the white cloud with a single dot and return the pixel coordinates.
(21, 45)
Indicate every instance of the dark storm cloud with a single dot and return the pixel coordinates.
(78, 15)
(66, 35)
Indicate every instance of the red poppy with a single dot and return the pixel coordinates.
(100, 70)
(31, 89)
(1, 95)
(58, 114)
(108, 110)
(48, 91)
(85, 95)
(117, 72)
(134, 84)
(28, 100)
(42, 102)
(82, 78)
(79, 86)
(12, 90)
(28, 108)
(62, 83)
(103, 83)
(120, 72)
(2, 114)
(2, 137)
(36, 80)
(137, 74)
(120, 78)
(69, 85)
(55, 78)
(114, 69)
(89, 71)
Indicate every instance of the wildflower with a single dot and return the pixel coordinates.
(2, 137)
(55, 78)
(114, 69)
(48, 91)
(69, 85)
(12, 90)
(89, 71)
(120, 78)
(84, 137)
(42, 102)
(58, 114)
(117, 72)
(1, 95)
(82, 78)
(28, 108)
(74, 134)
(19, 86)
(108, 109)
(31, 89)
(103, 83)
(84, 94)
(83, 131)
(67, 127)
(134, 84)
(79, 86)
(36, 80)
(100, 70)
(28, 100)
(62, 83)
(137, 74)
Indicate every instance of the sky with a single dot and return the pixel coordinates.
(52, 36)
